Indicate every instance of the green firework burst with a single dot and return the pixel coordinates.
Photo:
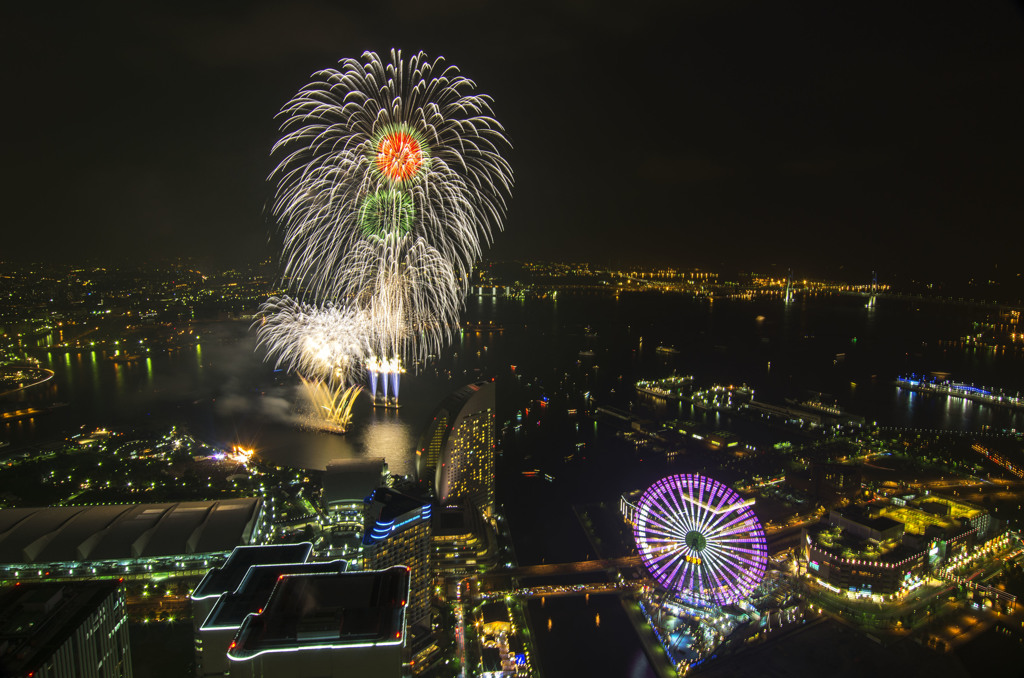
(387, 213)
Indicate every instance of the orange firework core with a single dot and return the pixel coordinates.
(399, 156)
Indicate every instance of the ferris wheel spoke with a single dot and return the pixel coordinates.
(726, 521)
(727, 574)
(662, 528)
(724, 565)
(741, 555)
(738, 539)
(713, 526)
(675, 509)
(669, 516)
(669, 565)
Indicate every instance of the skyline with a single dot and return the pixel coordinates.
(821, 138)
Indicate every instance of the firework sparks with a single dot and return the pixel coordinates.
(408, 293)
(332, 404)
(325, 342)
(371, 128)
(389, 180)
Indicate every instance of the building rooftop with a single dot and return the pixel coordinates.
(954, 508)
(125, 531)
(859, 515)
(348, 480)
(390, 510)
(917, 521)
(228, 577)
(318, 611)
(455, 520)
(254, 591)
(37, 619)
(493, 611)
(835, 540)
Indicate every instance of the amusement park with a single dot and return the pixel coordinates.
(712, 587)
(707, 557)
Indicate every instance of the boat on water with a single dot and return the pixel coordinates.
(670, 388)
(667, 350)
(124, 358)
(483, 326)
(942, 386)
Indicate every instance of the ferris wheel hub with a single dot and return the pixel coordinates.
(695, 540)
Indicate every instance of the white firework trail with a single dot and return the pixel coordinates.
(407, 291)
(389, 180)
(387, 147)
(325, 342)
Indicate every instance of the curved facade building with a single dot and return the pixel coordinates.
(458, 448)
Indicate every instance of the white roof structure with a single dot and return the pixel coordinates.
(125, 531)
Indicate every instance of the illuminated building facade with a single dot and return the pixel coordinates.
(627, 506)
(56, 630)
(461, 543)
(347, 484)
(885, 551)
(458, 448)
(843, 567)
(397, 532)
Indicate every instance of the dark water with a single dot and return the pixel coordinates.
(594, 633)
(782, 351)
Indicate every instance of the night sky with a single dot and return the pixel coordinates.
(834, 137)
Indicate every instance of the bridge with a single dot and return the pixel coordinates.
(550, 569)
(560, 591)
(969, 583)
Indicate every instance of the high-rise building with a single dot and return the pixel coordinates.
(326, 626)
(462, 543)
(240, 587)
(458, 448)
(65, 630)
(397, 532)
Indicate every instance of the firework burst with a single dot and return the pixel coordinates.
(332, 405)
(387, 148)
(321, 342)
(389, 180)
(408, 293)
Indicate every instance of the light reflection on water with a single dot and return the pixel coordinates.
(223, 390)
(225, 394)
(375, 433)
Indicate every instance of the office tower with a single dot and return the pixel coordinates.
(65, 630)
(347, 484)
(240, 587)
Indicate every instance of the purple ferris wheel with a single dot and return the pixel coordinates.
(700, 540)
